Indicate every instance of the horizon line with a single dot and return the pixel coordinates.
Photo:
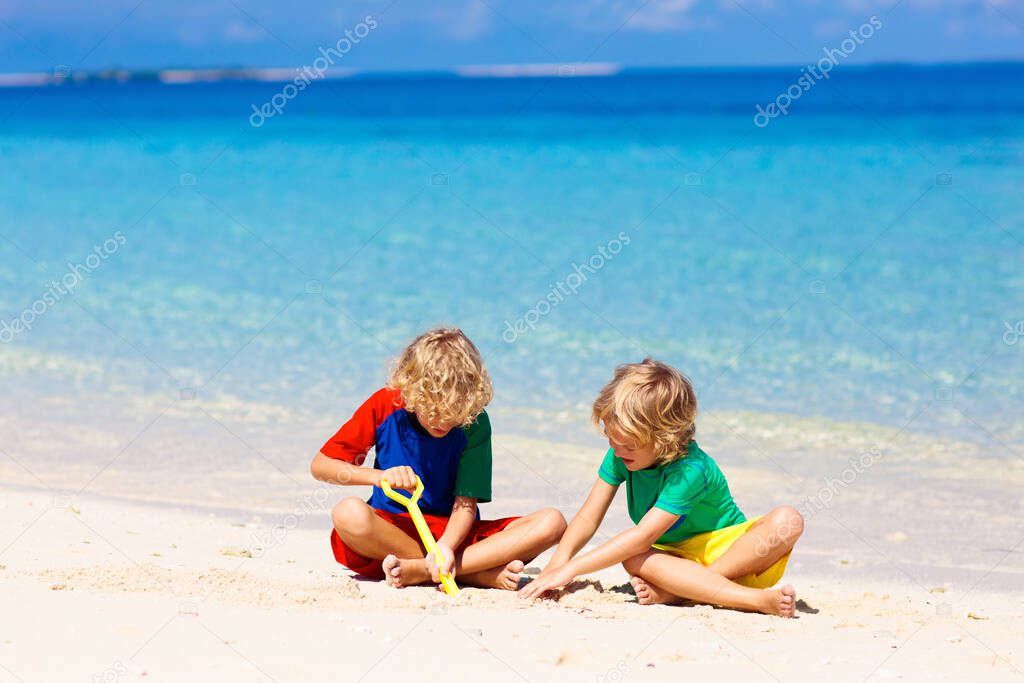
(186, 75)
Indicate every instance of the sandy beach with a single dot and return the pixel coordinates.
(193, 300)
(138, 593)
(98, 587)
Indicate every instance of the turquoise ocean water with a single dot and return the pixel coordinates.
(858, 259)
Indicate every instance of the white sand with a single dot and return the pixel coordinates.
(101, 589)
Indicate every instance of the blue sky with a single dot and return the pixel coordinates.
(37, 35)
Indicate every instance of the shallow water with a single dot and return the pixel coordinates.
(858, 259)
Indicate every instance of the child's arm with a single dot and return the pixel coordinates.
(623, 546)
(340, 460)
(459, 525)
(345, 473)
(584, 525)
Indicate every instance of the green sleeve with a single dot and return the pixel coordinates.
(473, 479)
(610, 470)
(684, 486)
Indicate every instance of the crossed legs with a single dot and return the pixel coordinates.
(659, 577)
(495, 562)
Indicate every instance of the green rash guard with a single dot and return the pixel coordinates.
(692, 487)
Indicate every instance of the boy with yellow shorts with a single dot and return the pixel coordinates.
(691, 541)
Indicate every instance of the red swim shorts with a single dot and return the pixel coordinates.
(371, 568)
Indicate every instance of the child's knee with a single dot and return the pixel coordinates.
(633, 565)
(788, 522)
(551, 523)
(353, 517)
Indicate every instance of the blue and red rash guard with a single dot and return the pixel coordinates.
(457, 464)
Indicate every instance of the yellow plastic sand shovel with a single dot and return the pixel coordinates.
(412, 505)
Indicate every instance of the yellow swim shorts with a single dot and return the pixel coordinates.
(707, 547)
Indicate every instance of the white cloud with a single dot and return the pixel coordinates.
(468, 22)
(663, 15)
(955, 27)
(749, 5)
(240, 32)
(191, 36)
(830, 27)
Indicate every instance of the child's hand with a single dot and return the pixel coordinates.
(547, 580)
(401, 477)
(447, 563)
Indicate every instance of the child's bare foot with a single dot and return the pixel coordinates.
(392, 571)
(400, 573)
(780, 601)
(508, 578)
(504, 578)
(649, 594)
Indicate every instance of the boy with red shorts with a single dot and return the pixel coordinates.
(429, 421)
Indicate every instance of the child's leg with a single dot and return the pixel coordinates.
(668, 577)
(367, 534)
(764, 544)
(497, 561)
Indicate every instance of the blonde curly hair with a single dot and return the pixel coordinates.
(649, 403)
(442, 378)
